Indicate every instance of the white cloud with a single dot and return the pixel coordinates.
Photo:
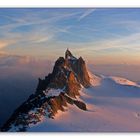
(40, 39)
(127, 44)
(86, 13)
(5, 43)
(42, 30)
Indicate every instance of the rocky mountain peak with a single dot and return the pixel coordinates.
(53, 93)
(68, 55)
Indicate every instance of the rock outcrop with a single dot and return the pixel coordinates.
(55, 92)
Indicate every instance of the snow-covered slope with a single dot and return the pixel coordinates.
(113, 106)
(72, 99)
(94, 79)
(123, 81)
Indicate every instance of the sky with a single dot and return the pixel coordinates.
(100, 35)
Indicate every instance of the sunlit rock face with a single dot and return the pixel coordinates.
(53, 93)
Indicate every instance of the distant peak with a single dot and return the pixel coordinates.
(69, 55)
(81, 59)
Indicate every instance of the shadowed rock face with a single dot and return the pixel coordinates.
(79, 67)
(68, 55)
(53, 93)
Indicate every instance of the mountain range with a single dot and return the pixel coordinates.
(72, 99)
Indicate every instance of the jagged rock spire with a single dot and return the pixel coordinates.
(53, 93)
(68, 54)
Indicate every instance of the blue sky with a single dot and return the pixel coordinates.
(99, 35)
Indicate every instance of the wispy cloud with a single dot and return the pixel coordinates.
(42, 29)
(36, 19)
(86, 13)
(131, 41)
(5, 43)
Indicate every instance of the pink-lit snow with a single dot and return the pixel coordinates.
(113, 106)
